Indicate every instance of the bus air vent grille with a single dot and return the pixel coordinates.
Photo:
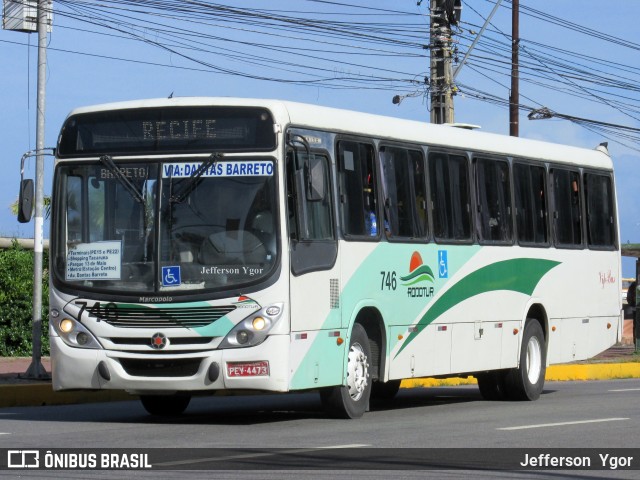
(334, 293)
(145, 317)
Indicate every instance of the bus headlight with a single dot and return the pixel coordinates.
(254, 329)
(74, 334)
(66, 326)
(259, 324)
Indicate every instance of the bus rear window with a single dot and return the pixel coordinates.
(167, 129)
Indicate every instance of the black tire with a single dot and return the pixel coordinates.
(527, 380)
(165, 405)
(352, 400)
(385, 391)
(492, 385)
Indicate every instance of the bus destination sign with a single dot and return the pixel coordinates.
(194, 129)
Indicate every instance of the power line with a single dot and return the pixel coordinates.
(338, 45)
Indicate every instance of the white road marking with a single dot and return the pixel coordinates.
(560, 424)
(4, 433)
(257, 455)
(625, 390)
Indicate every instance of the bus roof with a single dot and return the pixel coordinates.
(381, 127)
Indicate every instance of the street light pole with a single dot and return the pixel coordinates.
(36, 369)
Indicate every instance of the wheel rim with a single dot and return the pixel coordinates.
(534, 360)
(357, 372)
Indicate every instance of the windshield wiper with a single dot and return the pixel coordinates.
(189, 183)
(107, 161)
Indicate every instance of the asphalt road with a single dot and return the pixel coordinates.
(601, 415)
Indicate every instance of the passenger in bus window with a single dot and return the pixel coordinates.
(370, 218)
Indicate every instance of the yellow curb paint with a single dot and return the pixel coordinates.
(437, 382)
(592, 371)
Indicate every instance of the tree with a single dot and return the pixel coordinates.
(16, 285)
(47, 206)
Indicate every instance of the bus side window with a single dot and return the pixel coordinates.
(404, 187)
(450, 197)
(311, 216)
(530, 204)
(567, 207)
(493, 200)
(601, 225)
(358, 191)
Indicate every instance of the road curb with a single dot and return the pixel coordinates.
(41, 393)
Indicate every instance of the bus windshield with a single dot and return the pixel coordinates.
(152, 228)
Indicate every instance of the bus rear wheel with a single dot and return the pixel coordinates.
(527, 380)
(165, 405)
(352, 400)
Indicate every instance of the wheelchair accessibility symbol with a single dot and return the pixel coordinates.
(443, 264)
(171, 276)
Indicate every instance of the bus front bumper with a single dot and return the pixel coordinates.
(263, 367)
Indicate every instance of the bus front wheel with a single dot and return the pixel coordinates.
(526, 381)
(352, 400)
(165, 405)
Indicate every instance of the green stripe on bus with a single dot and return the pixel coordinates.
(517, 275)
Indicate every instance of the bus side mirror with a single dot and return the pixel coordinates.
(316, 181)
(25, 201)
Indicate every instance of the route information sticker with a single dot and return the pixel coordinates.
(263, 168)
(94, 261)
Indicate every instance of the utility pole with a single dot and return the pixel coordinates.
(36, 370)
(441, 73)
(514, 98)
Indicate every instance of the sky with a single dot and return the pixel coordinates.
(94, 58)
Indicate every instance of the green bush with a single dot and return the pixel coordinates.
(16, 300)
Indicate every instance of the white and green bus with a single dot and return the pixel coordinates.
(208, 244)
